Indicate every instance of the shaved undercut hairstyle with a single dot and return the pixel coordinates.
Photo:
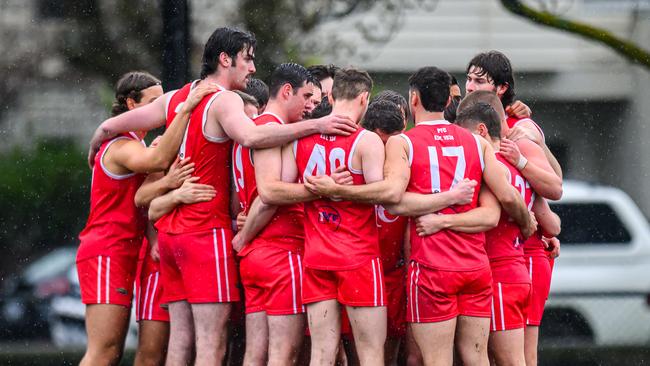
(288, 73)
(259, 90)
(228, 40)
(482, 96)
(350, 83)
(477, 113)
(385, 116)
(432, 84)
(496, 66)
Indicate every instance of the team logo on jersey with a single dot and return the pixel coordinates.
(328, 215)
(517, 243)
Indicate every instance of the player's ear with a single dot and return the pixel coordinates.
(482, 130)
(330, 98)
(501, 89)
(130, 103)
(225, 60)
(287, 90)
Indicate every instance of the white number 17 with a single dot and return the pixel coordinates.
(434, 166)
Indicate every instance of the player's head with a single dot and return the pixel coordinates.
(251, 105)
(397, 98)
(135, 89)
(456, 96)
(290, 85)
(260, 91)
(385, 118)
(491, 71)
(231, 51)
(429, 90)
(489, 97)
(324, 108)
(481, 119)
(316, 98)
(325, 76)
(352, 86)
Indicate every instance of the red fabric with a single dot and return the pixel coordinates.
(540, 272)
(148, 288)
(391, 238)
(396, 301)
(339, 235)
(509, 306)
(107, 279)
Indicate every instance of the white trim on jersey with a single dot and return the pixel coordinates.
(216, 261)
(205, 119)
(480, 151)
(274, 115)
(168, 101)
(106, 171)
(408, 141)
(436, 122)
(541, 132)
(352, 149)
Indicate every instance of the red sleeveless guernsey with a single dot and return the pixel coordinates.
(533, 246)
(211, 156)
(339, 235)
(115, 225)
(391, 238)
(286, 228)
(442, 154)
(504, 243)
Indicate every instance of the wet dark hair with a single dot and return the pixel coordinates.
(395, 97)
(322, 110)
(322, 72)
(131, 85)
(350, 83)
(385, 116)
(497, 67)
(258, 90)
(452, 109)
(228, 40)
(481, 96)
(432, 84)
(477, 113)
(288, 73)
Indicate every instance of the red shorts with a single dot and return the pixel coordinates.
(436, 295)
(148, 292)
(198, 267)
(362, 286)
(272, 279)
(396, 302)
(509, 305)
(107, 279)
(539, 269)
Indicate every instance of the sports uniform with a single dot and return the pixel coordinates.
(504, 245)
(196, 256)
(148, 288)
(110, 242)
(537, 261)
(271, 264)
(449, 272)
(391, 243)
(341, 244)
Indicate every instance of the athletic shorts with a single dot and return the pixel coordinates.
(148, 292)
(436, 295)
(509, 305)
(362, 286)
(539, 269)
(198, 267)
(396, 302)
(107, 279)
(272, 279)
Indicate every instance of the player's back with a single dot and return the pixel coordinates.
(441, 155)
(211, 158)
(339, 235)
(391, 230)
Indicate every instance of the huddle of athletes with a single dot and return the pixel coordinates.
(310, 206)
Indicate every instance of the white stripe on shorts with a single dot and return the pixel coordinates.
(417, 279)
(293, 284)
(381, 282)
(108, 276)
(374, 281)
(494, 321)
(411, 300)
(216, 261)
(225, 263)
(143, 307)
(300, 275)
(503, 321)
(99, 279)
(153, 295)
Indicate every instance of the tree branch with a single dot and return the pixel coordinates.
(623, 47)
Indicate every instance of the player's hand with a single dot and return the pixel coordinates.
(179, 172)
(510, 151)
(463, 191)
(322, 185)
(530, 228)
(191, 192)
(552, 245)
(428, 224)
(154, 253)
(336, 125)
(519, 133)
(241, 220)
(519, 110)
(197, 94)
(99, 136)
(238, 243)
(342, 175)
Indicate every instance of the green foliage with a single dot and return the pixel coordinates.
(44, 194)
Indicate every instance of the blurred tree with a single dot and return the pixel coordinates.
(623, 47)
(176, 43)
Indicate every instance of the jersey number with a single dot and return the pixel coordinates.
(317, 164)
(434, 166)
(523, 185)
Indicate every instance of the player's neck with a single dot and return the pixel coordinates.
(423, 116)
(274, 107)
(347, 108)
(219, 79)
(495, 143)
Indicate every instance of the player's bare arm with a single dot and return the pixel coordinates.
(482, 218)
(495, 176)
(236, 124)
(527, 130)
(549, 222)
(259, 215)
(273, 184)
(415, 204)
(534, 166)
(157, 184)
(188, 193)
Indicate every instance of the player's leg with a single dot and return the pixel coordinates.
(509, 306)
(540, 272)
(210, 322)
(475, 311)
(325, 327)
(285, 338)
(507, 347)
(436, 341)
(391, 350)
(413, 354)
(181, 334)
(531, 339)
(153, 337)
(369, 330)
(106, 326)
(257, 339)
(396, 314)
(472, 338)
